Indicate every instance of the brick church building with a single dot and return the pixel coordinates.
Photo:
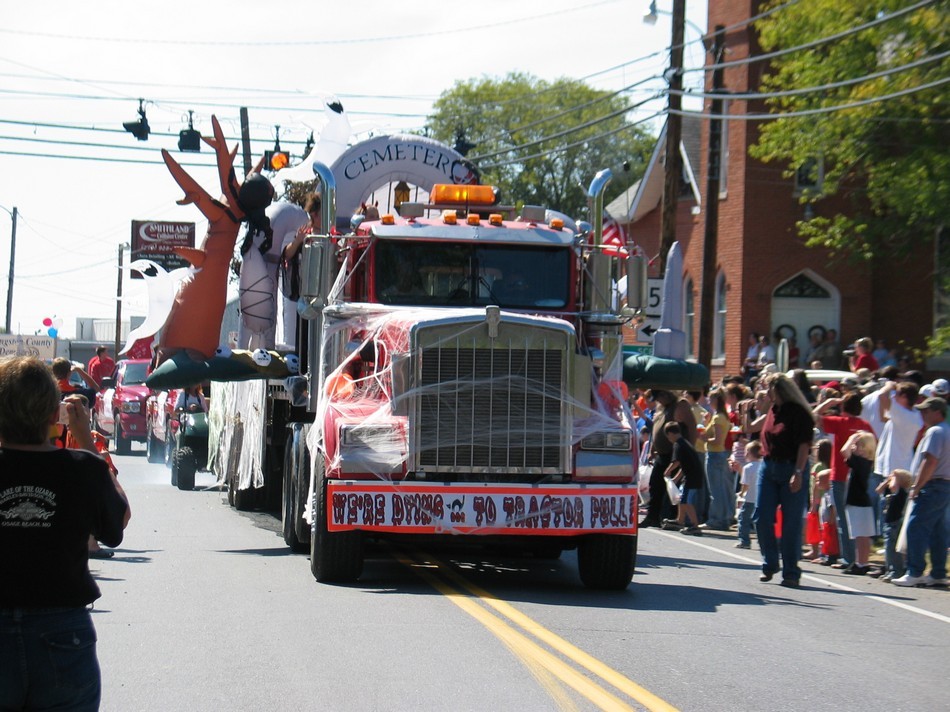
(767, 280)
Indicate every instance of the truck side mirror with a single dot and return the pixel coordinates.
(106, 383)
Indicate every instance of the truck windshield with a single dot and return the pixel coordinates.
(430, 273)
(135, 374)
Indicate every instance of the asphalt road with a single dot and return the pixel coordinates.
(204, 608)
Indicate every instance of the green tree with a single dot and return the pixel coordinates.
(542, 142)
(889, 158)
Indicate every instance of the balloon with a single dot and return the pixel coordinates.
(47, 322)
(51, 332)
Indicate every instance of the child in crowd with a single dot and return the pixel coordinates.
(824, 503)
(748, 489)
(686, 468)
(894, 489)
(819, 487)
(859, 455)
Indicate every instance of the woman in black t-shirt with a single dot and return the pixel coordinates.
(51, 501)
(786, 438)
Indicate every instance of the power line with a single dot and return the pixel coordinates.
(374, 39)
(814, 43)
(573, 129)
(508, 133)
(824, 87)
(194, 102)
(101, 158)
(812, 112)
(561, 149)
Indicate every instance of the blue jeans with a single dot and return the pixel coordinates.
(774, 491)
(877, 502)
(845, 542)
(927, 529)
(893, 559)
(745, 522)
(48, 660)
(721, 482)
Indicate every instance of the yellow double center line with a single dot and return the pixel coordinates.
(547, 668)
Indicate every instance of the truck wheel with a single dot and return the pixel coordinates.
(607, 561)
(186, 464)
(123, 446)
(291, 509)
(547, 552)
(243, 500)
(152, 452)
(169, 445)
(335, 557)
(173, 465)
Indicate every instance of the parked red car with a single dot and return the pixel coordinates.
(120, 405)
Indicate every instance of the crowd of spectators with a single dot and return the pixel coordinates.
(856, 471)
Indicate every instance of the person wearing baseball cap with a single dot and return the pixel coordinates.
(941, 388)
(926, 524)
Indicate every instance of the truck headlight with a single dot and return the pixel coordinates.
(131, 407)
(609, 440)
(376, 437)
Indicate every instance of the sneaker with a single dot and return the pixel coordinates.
(876, 573)
(790, 583)
(647, 522)
(743, 545)
(888, 577)
(829, 561)
(671, 525)
(692, 531)
(937, 581)
(856, 570)
(908, 580)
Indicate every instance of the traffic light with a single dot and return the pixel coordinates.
(189, 139)
(139, 128)
(276, 159)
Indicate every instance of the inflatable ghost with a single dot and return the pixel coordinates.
(329, 146)
(161, 287)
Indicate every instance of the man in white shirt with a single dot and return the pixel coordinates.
(930, 495)
(895, 445)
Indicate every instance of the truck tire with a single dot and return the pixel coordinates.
(173, 467)
(243, 500)
(606, 561)
(153, 453)
(290, 510)
(169, 444)
(185, 464)
(123, 446)
(335, 557)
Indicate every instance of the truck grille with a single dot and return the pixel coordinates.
(495, 408)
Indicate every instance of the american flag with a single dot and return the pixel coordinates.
(614, 238)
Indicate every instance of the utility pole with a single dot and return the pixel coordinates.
(12, 263)
(674, 122)
(118, 308)
(246, 140)
(707, 304)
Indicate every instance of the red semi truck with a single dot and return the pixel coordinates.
(460, 375)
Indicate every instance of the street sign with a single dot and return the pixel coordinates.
(654, 298)
(647, 329)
